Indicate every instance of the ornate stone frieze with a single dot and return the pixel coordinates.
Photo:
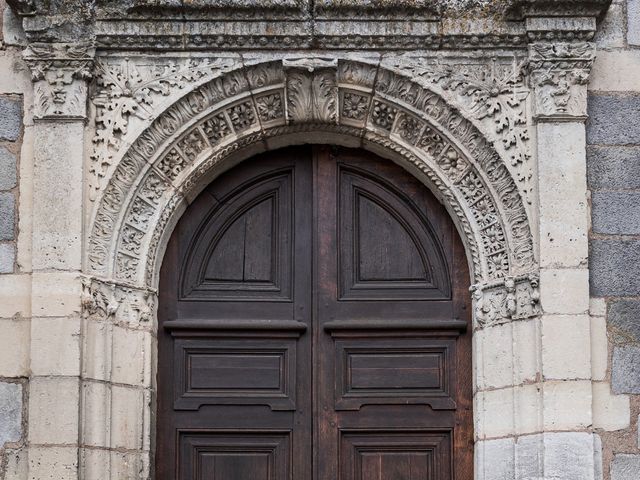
(494, 93)
(60, 73)
(126, 88)
(559, 76)
(228, 113)
(110, 301)
(513, 298)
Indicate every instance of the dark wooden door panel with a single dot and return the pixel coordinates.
(234, 455)
(313, 326)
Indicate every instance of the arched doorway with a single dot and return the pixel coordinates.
(314, 323)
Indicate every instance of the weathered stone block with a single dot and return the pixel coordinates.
(625, 370)
(55, 346)
(60, 463)
(624, 320)
(7, 215)
(613, 120)
(10, 412)
(610, 412)
(566, 341)
(613, 167)
(567, 404)
(495, 459)
(633, 22)
(14, 345)
(614, 267)
(53, 410)
(611, 30)
(7, 169)
(625, 467)
(7, 257)
(564, 291)
(10, 119)
(615, 213)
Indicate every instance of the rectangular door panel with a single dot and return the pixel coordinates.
(394, 371)
(207, 455)
(395, 455)
(246, 371)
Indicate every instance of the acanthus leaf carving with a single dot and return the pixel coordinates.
(312, 90)
(493, 92)
(559, 74)
(126, 88)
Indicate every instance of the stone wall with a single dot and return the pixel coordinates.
(14, 252)
(613, 166)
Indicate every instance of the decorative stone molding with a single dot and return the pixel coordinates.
(513, 298)
(60, 73)
(559, 75)
(241, 109)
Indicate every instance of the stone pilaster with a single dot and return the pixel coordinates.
(60, 74)
(559, 65)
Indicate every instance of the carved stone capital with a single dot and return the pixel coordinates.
(513, 298)
(60, 73)
(312, 90)
(559, 76)
(117, 303)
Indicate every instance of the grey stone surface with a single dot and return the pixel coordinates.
(7, 169)
(611, 30)
(614, 267)
(7, 257)
(623, 319)
(613, 119)
(7, 215)
(495, 459)
(633, 22)
(10, 412)
(10, 118)
(625, 467)
(615, 213)
(613, 167)
(625, 370)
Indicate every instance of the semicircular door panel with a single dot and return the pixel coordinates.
(388, 250)
(243, 248)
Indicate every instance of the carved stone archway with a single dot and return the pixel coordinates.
(267, 104)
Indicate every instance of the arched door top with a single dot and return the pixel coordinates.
(270, 104)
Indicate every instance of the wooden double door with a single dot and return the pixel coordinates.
(313, 326)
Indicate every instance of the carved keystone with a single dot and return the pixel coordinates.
(312, 90)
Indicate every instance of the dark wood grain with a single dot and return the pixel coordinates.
(315, 325)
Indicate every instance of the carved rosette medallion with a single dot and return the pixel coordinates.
(60, 73)
(559, 76)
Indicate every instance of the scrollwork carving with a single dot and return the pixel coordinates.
(117, 303)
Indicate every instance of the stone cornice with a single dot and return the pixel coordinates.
(302, 24)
